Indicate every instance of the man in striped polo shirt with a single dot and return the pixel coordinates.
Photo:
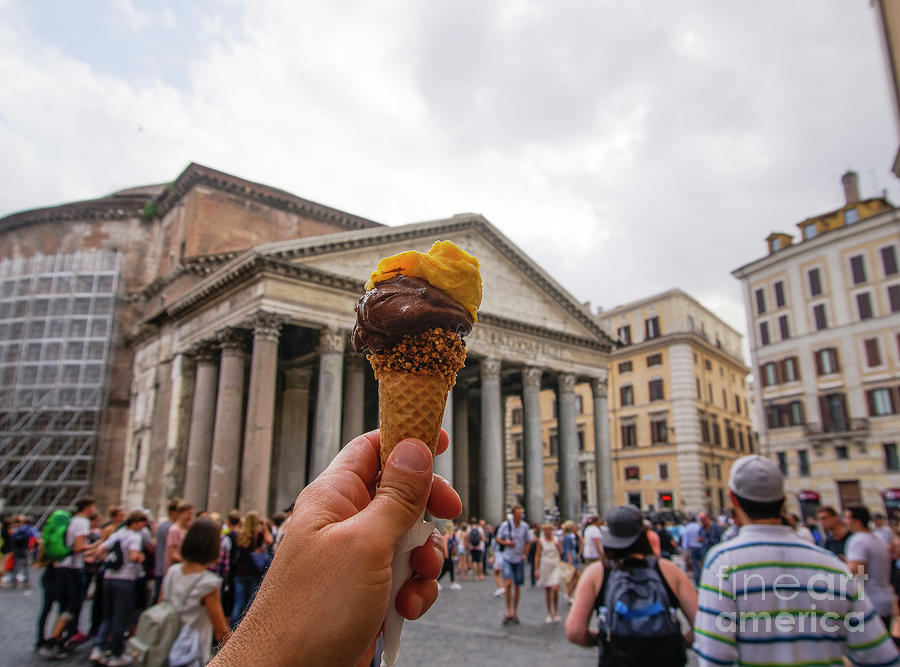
(768, 598)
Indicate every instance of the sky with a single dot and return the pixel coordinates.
(627, 147)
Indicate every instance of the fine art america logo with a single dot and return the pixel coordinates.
(799, 606)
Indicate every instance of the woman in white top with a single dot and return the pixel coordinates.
(194, 590)
(546, 564)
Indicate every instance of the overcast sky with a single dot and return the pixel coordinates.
(628, 147)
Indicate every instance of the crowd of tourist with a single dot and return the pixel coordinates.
(829, 583)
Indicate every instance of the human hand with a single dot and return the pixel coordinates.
(325, 596)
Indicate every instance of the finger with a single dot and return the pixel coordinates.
(444, 502)
(442, 443)
(428, 560)
(400, 499)
(416, 597)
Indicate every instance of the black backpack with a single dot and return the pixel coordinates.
(115, 559)
(474, 538)
(638, 626)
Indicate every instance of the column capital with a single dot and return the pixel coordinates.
(266, 325)
(232, 340)
(566, 382)
(531, 376)
(205, 352)
(600, 386)
(490, 369)
(332, 340)
(297, 377)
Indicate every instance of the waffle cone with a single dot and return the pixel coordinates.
(410, 406)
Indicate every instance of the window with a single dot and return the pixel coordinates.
(182, 250)
(704, 428)
(851, 215)
(737, 404)
(840, 452)
(634, 498)
(881, 402)
(763, 333)
(864, 305)
(779, 294)
(518, 479)
(664, 471)
(626, 395)
(803, 462)
(707, 364)
(894, 298)
(760, 301)
(783, 327)
(873, 352)
(815, 282)
(654, 360)
(717, 433)
(790, 370)
(706, 470)
(784, 415)
(820, 317)
(889, 260)
(659, 431)
(750, 440)
(656, 390)
(827, 361)
(770, 374)
(809, 232)
(624, 334)
(858, 269)
(554, 444)
(580, 439)
(782, 463)
(891, 462)
(724, 399)
(625, 367)
(632, 472)
(833, 409)
(697, 382)
(579, 404)
(717, 470)
(729, 435)
(517, 416)
(629, 435)
(740, 435)
(651, 328)
(517, 444)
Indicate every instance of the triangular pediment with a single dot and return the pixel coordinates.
(516, 289)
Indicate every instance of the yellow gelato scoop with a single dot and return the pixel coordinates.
(445, 266)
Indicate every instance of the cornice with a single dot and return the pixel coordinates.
(543, 332)
(116, 207)
(667, 340)
(196, 174)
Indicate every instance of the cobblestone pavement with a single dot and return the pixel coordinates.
(464, 627)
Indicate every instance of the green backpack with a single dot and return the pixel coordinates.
(54, 535)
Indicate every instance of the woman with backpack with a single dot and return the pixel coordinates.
(247, 576)
(635, 595)
(196, 590)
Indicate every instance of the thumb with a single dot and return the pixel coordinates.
(401, 498)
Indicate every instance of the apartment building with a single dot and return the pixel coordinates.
(823, 321)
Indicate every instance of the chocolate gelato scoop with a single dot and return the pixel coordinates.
(404, 305)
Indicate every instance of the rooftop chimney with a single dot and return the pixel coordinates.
(851, 187)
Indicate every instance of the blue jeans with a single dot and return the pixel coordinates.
(514, 571)
(118, 605)
(697, 556)
(244, 592)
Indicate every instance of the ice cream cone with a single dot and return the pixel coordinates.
(410, 406)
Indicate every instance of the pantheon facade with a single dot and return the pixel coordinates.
(229, 378)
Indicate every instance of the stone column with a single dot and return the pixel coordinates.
(533, 451)
(491, 459)
(326, 441)
(354, 397)
(461, 448)
(606, 498)
(291, 474)
(443, 464)
(569, 479)
(257, 461)
(226, 447)
(203, 415)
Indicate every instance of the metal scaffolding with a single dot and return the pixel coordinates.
(57, 326)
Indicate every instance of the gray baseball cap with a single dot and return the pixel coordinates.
(757, 478)
(624, 524)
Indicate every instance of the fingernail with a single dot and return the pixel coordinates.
(410, 456)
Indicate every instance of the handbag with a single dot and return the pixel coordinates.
(566, 571)
(261, 561)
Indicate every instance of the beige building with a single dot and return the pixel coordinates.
(678, 404)
(823, 316)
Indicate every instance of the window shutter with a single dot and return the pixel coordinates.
(823, 410)
(837, 361)
(817, 355)
(870, 400)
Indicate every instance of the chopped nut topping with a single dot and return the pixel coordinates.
(432, 352)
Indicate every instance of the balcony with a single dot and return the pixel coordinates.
(851, 431)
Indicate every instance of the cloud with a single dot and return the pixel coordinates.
(628, 148)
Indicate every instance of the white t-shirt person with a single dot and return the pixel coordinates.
(871, 550)
(129, 540)
(591, 533)
(79, 526)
